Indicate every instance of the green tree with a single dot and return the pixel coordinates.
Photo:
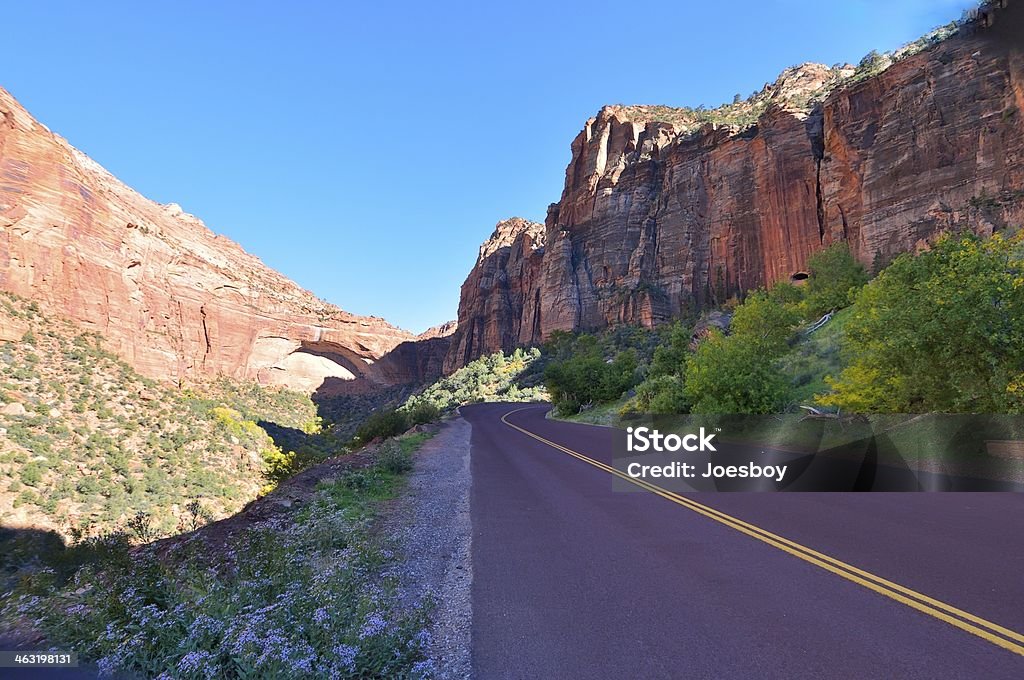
(733, 375)
(670, 356)
(584, 376)
(766, 321)
(942, 331)
(834, 278)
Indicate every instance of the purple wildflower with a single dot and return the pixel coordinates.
(193, 661)
(346, 657)
(374, 625)
(424, 669)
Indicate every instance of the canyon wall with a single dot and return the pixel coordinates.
(666, 211)
(499, 305)
(172, 298)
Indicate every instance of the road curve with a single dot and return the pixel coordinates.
(575, 580)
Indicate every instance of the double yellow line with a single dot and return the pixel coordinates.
(992, 632)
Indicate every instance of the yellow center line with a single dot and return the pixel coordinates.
(991, 632)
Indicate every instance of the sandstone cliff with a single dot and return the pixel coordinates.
(421, 360)
(172, 298)
(499, 306)
(669, 210)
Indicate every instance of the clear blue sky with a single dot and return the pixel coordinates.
(365, 149)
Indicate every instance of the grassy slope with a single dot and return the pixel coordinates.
(815, 357)
(598, 414)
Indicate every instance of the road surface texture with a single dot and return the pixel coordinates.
(575, 580)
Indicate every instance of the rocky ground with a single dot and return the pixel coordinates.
(432, 521)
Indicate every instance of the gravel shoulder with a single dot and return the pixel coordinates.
(432, 524)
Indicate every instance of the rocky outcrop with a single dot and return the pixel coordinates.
(666, 211)
(499, 306)
(171, 297)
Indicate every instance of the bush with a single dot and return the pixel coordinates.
(670, 355)
(383, 424)
(765, 322)
(32, 474)
(940, 331)
(424, 412)
(661, 394)
(586, 377)
(277, 466)
(728, 375)
(834, 279)
(394, 459)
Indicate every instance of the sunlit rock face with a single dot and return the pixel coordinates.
(500, 294)
(666, 211)
(171, 297)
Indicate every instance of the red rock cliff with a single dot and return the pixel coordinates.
(499, 307)
(174, 299)
(666, 210)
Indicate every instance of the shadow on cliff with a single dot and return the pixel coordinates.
(1003, 23)
(345, 404)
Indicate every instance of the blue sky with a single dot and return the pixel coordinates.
(366, 149)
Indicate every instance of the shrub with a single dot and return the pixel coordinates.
(424, 412)
(277, 466)
(661, 394)
(940, 331)
(728, 375)
(586, 377)
(765, 322)
(394, 459)
(383, 424)
(670, 355)
(834, 279)
(32, 474)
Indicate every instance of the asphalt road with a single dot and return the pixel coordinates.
(572, 579)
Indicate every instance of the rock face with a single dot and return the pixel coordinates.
(666, 211)
(499, 306)
(172, 298)
(421, 360)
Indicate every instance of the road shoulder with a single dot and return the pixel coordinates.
(434, 528)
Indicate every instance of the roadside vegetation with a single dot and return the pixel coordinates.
(495, 377)
(942, 331)
(938, 331)
(303, 594)
(102, 463)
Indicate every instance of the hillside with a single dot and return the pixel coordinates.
(87, 443)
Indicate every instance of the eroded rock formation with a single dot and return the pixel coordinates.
(174, 299)
(499, 306)
(668, 210)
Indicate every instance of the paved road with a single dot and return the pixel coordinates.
(575, 580)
